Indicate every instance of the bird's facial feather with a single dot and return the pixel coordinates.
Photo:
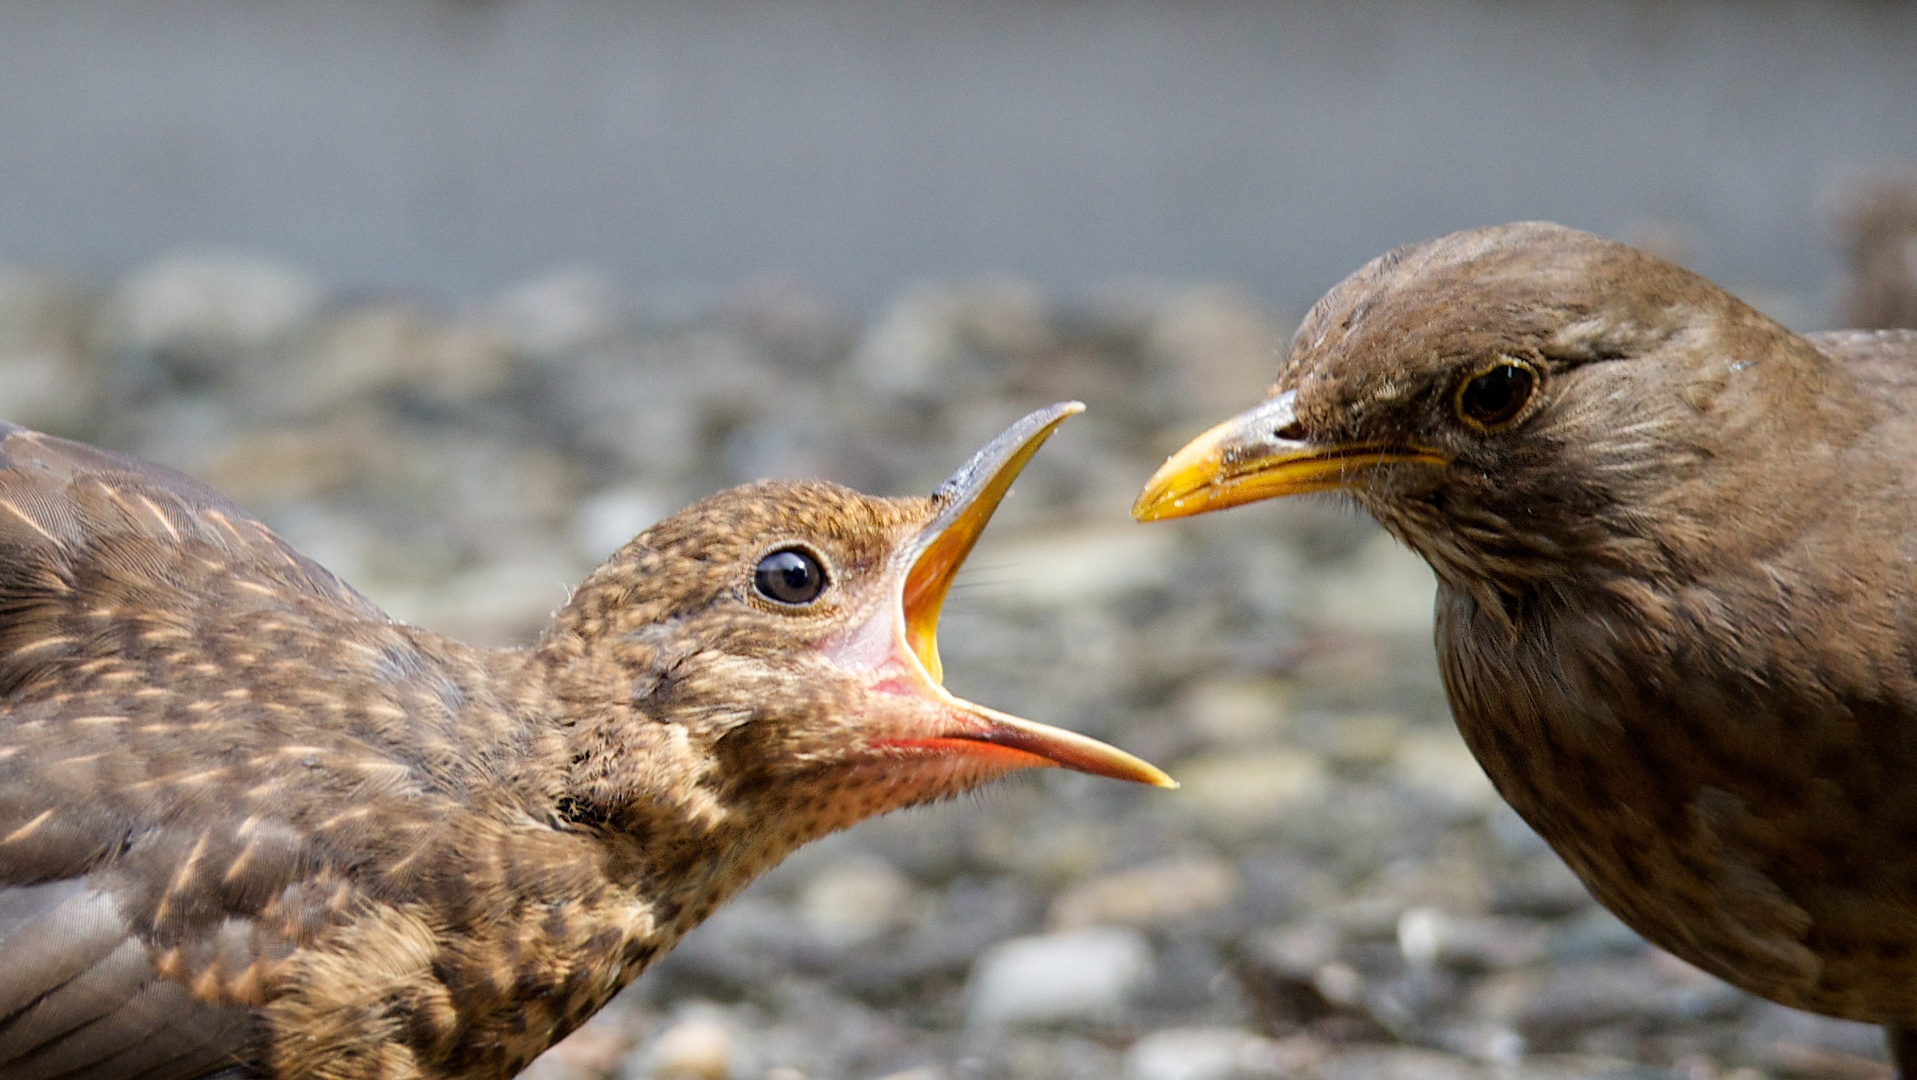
(796, 704)
(1510, 401)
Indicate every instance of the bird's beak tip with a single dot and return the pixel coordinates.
(1186, 483)
(1246, 459)
(1064, 749)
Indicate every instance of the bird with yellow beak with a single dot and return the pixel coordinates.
(1676, 551)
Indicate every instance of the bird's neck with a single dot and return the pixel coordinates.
(596, 812)
(630, 775)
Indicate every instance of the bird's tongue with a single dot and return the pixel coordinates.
(901, 650)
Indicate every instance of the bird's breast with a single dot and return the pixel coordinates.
(1749, 822)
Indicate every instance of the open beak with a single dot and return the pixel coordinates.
(909, 654)
(1244, 460)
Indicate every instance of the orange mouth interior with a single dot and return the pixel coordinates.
(932, 572)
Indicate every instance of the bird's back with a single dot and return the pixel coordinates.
(199, 731)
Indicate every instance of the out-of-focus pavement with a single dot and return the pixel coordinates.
(1335, 893)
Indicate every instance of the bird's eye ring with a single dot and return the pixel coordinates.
(790, 577)
(1496, 395)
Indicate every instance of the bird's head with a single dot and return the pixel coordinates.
(1519, 402)
(765, 660)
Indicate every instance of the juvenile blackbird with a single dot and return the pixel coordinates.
(1676, 547)
(252, 827)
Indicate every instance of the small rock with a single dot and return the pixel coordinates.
(1428, 936)
(1206, 1053)
(1401, 1064)
(1492, 1044)
(1083, 564)
(1437, 764)
(605, 522)
(1340, 984)
(559, 313)
(697, 1047)
(1251, 790)
(1071, 976)
(854, 901)
(1385, 589)
(218, 301)
(1239, 711)
(1148, 895)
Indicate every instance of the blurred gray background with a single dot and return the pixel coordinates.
(447, 148)
(458, 296)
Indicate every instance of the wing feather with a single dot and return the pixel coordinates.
(79, 996)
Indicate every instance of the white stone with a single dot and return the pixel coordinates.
(854, 901)
(606, 521)
(1074, 975)
(1093, 562)
(219, 298)
(1251, 790)
(1386, 589)
(1199, 1053)
(697, 1047)
(1149, 895)
(908, 349)
(1428, 936)
(557, 313)
(1436, 763)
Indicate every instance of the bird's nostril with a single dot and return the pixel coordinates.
(1293, 432)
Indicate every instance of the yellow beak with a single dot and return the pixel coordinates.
(896, 651)
(965, 503)
(1244, 460)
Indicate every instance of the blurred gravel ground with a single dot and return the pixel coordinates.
(1336, 893)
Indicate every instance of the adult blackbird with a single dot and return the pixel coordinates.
(252, 827)
(1676, 547)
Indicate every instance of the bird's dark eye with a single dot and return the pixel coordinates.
(1495, 396)
(790, 576)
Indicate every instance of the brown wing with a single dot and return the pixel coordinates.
(81, 526)
(130, 885)
(81, 1000)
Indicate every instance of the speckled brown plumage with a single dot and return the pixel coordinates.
(1677, 612)
(249, 826)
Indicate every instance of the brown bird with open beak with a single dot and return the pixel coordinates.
(251, 827)
(1676, 547)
